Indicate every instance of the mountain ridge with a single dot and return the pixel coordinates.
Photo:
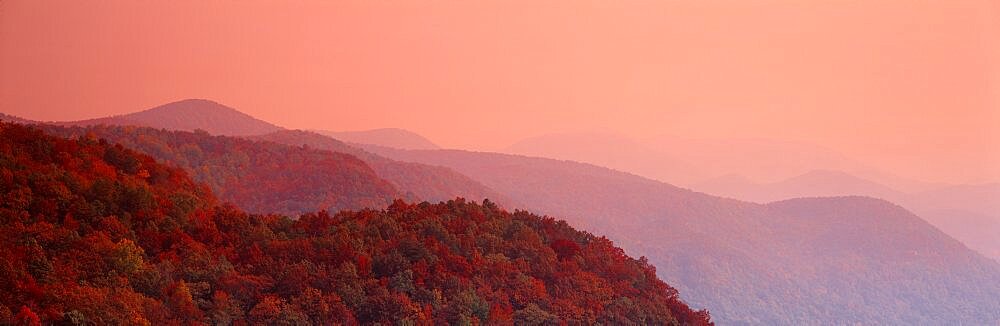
(188, 115)
(696, 241)
(388, 137)
(778, 265)
(142, 243)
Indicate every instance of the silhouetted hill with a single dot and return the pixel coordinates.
(969, 213)
(840, 260)
(189, 115)
(388, 137)
(426, 182)
(96, 234)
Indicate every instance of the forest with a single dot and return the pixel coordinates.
(258, 177)
(95, 233)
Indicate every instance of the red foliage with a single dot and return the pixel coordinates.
(151, 246)
(25, 317)
(565, 248)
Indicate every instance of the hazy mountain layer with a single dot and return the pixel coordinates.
(431, 183)
(388, 137)
(809, 261)
(96, 234)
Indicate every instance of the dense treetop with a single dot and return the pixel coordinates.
(95, 233)
(259, 177)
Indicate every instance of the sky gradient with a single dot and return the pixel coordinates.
(909, 86)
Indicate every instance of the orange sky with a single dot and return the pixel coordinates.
(910, 86)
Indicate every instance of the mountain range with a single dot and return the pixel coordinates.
(233, 166)
(843, 260)
(731, 168)
(690, 161)
(970, 213)
(97, 234)
(745, 259)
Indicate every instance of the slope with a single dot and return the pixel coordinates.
(388, 137)
(256, 176)
(751, 263)
(970, 213)
(97, 234)
(430, 183)
(414, 181)
(188, 115)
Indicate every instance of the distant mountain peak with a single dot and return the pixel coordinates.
(189, 115)
(192, 105)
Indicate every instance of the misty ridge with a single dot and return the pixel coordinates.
(730, 168)
(847, 253)
(500, 162)
(99, 234)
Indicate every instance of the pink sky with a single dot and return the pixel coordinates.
(910, 86)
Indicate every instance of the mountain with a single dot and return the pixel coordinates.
(188, 115)
(256, 176)
(816, 183)
(426, 182)
(970, 213)
(686, 161)
(388, 137)
(748, 262)
(613, 151)
(780, 263)
(94, 233)
(977, 230)
(800, 170)
(690, 162)
(983, 198)
(414, 181)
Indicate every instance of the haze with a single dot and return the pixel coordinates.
(909, 86)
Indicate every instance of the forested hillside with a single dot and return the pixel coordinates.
(851, 260)
(256, 176)
(94, 233)
(426, 182)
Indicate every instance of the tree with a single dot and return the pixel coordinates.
(26, 317)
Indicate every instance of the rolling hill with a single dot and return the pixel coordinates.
(781, 263)
(256, 176)
(816, 183)
(689, 162)
(969, 213)
(388, 137)
(431, 183)
(613, 151)
(94, 233)
(188, 115)
(750, 263)
(412, 180)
